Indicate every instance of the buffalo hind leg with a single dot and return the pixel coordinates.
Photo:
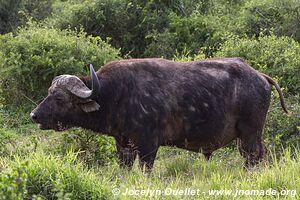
(252, 152)
(207, 156)
(251, 146)
(250, 126)
(147, 159)
(147, 153)
(126, 152)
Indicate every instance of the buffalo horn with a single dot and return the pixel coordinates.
(77, 87)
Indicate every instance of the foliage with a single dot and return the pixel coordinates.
(281, 17)
(152, 28)
(13, 183)
(190, 32)
(282, 130)
(119, 20)
(32, 58)
(93, 149)
(13, 118)
(137, 27)
(276, 56)
(6, 137)
(14, 13)
(8, 11)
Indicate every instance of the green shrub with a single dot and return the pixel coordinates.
(278, 57)
(116, 19)
(131, 25)
(6, 137)
(14, 13)
(158, 28)
(13, 118)
(9, 18)
(283, 130)
(93, 149)
(13, 183)
(192, 33)
(161, 45)
(201, 27)
(278, 16)
(32, 58)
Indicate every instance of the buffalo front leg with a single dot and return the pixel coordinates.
(126, 152)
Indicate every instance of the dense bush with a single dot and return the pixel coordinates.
(190, 32)
(283, 130)
(140, 28)
(14, 13)
(278, 16)
(125, 22)
(8, 12)
(158, 28)
(277, 56)
(152, 28)
(32, 58)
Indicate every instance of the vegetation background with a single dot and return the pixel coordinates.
(43, 38)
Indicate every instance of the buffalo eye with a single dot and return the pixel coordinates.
(59, 98)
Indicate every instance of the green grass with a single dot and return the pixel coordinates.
(48, 175)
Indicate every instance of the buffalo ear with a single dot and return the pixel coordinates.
(90, 106)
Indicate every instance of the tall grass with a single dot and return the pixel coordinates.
(56, 177)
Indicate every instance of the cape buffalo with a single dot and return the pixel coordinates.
(145, 103)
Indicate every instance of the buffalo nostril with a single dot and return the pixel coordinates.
(33, 116)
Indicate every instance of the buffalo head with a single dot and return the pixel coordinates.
(68, 97)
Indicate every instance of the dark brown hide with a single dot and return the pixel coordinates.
(199, 106)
